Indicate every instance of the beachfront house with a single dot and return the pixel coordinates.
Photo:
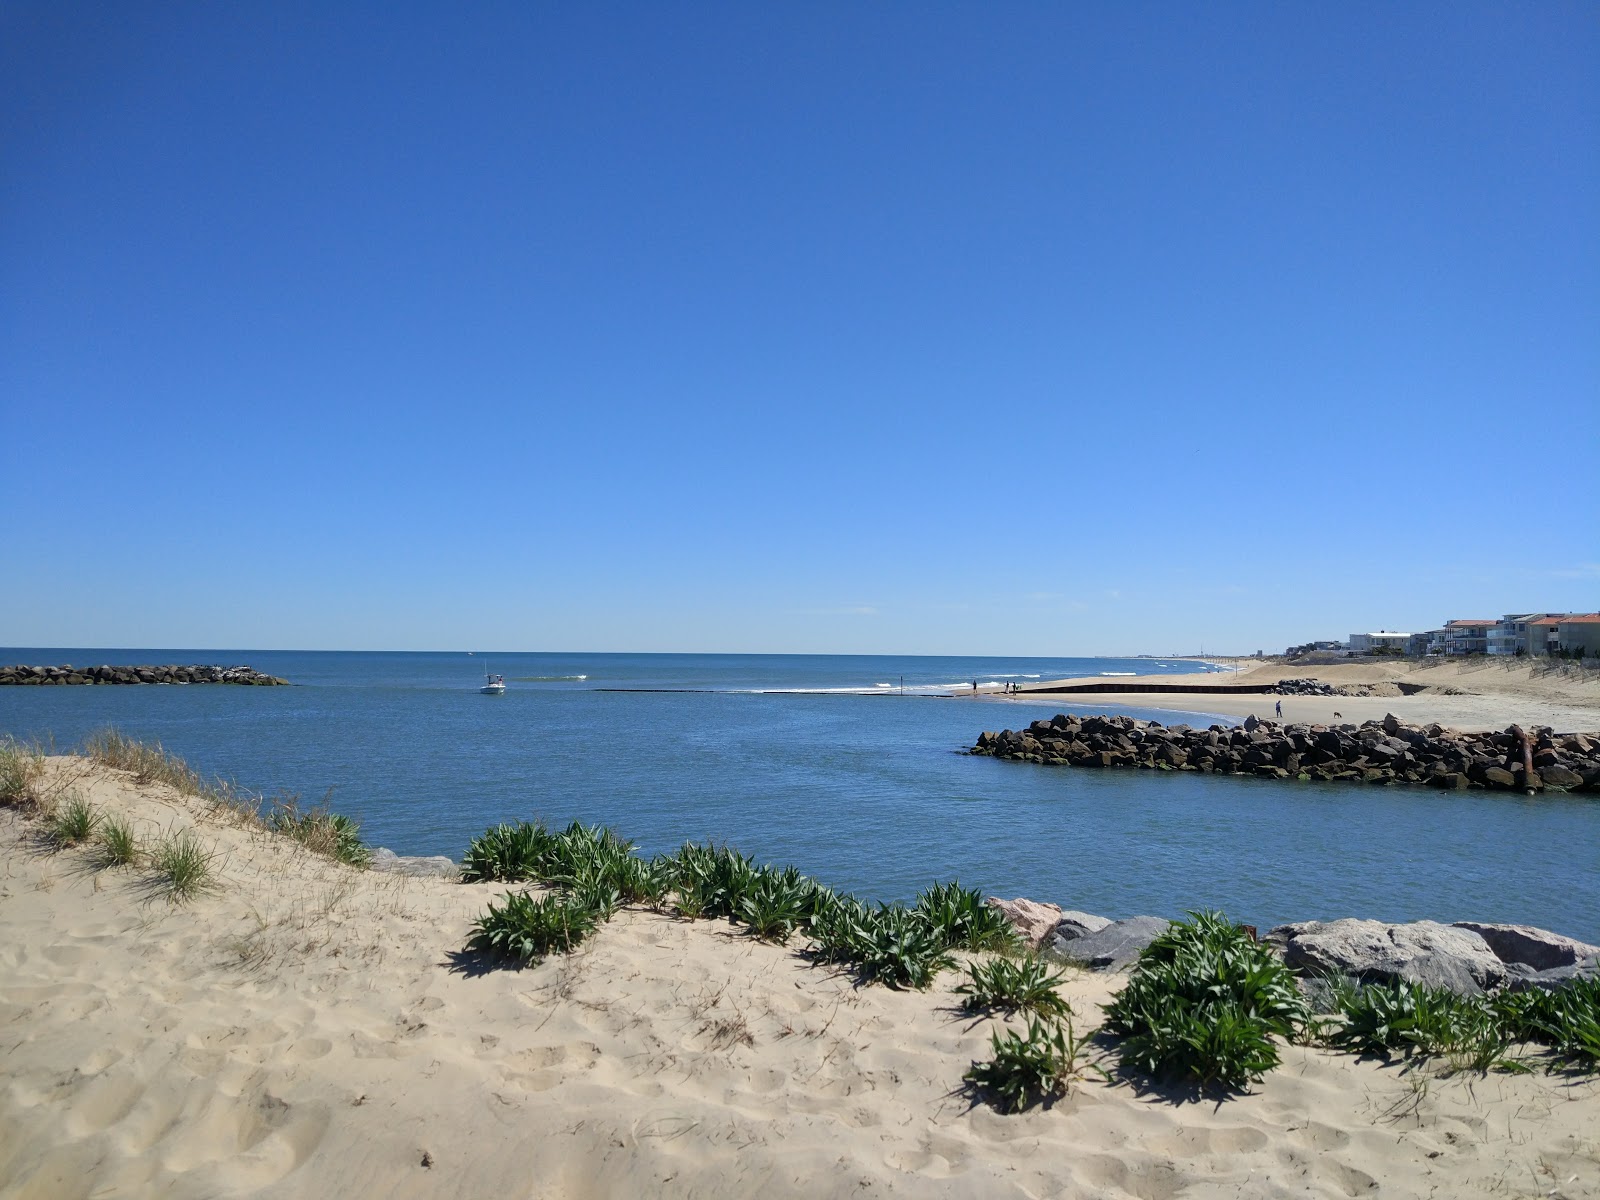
(1385, 641)
(1525, 633)
(1467, 637)
(1577, 632)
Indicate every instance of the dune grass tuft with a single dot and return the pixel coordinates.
(74, 821)
(183, 866)
(21, 765)
(319, 830)
(118, 845)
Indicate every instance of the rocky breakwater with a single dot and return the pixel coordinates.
(1376, 752)
(167, 674)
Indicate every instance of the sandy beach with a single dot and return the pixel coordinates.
(1475, 693)
(307, 1029)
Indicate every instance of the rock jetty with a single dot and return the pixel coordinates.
(85, 675)
(1375, 752)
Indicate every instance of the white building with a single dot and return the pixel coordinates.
(1384, 639)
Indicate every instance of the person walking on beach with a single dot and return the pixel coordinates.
(1280, 708)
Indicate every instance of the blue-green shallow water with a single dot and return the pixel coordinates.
(865, 792)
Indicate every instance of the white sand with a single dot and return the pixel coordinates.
(1478, 693)
(307, 1030)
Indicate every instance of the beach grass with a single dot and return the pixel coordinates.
(184, 867)
(320, 830)
(74, 820)
(149, 762)
(118, 847)
(21, 765)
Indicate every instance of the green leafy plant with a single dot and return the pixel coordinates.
(896, 946)
(525, 929)
(1027, 1069)
(713, 879)
(962, 921)
(1204, 1005)
(1025, 983)
(1564, 1018)
(777, 904)
(506, 854)
(118, 846)
(183, 865)
(320, 831)
(1415, 1019)
(75, 819)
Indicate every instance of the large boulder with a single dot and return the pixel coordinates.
(1074, 925)
(1116, 946)
(435, 867)
(1536, 948)
(1033, 921)
(1372, 951)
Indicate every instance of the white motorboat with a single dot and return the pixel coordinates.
(493, 685)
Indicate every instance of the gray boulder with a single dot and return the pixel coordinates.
(1536, 948)
(1423, 952)
(1115, 946)
(1074, 925)
(435, 867)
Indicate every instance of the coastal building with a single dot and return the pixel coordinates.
(1467, 637)
(1524, 633)
(1420, 643)
(1577, 632)
(1384, 640)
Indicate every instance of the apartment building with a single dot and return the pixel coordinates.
(1467, 637)
(1525, 633)
(1579, 631)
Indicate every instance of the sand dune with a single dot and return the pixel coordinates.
(310, 1030)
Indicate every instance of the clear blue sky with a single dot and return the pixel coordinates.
(1018, 328)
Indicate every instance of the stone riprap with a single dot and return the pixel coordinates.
(1469, 957)
(1376, 752)
(21, 675)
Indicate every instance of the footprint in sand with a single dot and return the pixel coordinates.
(101, 1103)
(543, 1067)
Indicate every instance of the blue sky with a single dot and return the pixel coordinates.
(1027, 328)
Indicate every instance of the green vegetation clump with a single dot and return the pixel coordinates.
(962, 921)
(1475, 1032)
(525, 930)
(118, 846)
(1204, 1005)
(74, 821)
(778, 903)
(598, 872)
(506, 854)
(1028, 1069)
(1565, 1018)
(331, 834)
(183, 866)
(1014, 984)
(1415, 1019)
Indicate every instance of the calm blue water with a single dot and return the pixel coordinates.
(780, 756)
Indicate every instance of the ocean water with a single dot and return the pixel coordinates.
(849, 767)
